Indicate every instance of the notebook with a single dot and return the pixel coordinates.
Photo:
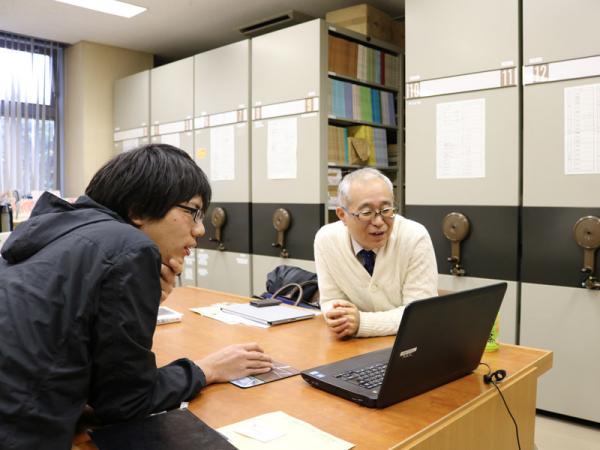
(167, 315)
(270, 315)
(439, 340)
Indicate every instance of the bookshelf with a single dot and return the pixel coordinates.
(364, 79)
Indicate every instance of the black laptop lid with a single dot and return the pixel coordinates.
(439, 339)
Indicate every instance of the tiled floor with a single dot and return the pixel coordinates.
(556, 434)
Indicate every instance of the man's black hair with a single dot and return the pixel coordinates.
(148, 181)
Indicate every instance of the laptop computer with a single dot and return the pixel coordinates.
(439, 340)
(268, 315)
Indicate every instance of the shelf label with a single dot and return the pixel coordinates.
(562, 70)
(463, 83)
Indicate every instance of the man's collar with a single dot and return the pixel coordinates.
(356, 247)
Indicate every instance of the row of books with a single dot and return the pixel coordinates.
(353, 102)
(354, 60)
(359, 145)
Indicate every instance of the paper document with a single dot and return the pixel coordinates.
(282, 144)
(460, 139)
(222, 153)
(279, 430)
(214, 312)
(582, 129)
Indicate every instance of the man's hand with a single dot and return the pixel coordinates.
(343, 319)
(235, 361)
(168, 276)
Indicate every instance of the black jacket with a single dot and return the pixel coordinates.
(79, 295)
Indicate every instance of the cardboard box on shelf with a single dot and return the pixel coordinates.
(398, 34)
(364, 19)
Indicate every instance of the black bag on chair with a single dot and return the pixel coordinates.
(293, 283)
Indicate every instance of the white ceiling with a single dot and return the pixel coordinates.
(170, 29)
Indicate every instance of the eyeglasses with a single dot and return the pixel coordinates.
(197, 213)
(367, 215)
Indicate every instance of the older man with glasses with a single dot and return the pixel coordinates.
(372, 262)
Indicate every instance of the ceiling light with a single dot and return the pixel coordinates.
(108, 6)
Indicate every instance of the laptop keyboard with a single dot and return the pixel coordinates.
(367, 377)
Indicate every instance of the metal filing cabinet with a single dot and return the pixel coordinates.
(462, 141)
(222, 150)
(171, 117)
(561, 179)
(288, 135)
(131, 114)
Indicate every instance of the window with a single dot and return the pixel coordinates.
(30, 114)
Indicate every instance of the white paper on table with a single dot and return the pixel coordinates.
(295, 434)
(282, 145)
(582, 129)
(222, 153)
(460, 139)
(214, 312)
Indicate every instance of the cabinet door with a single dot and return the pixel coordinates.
(555, 30)
(446, 38)
(221, 79)
(132, 101)
(478, 130)
(172, 92)
(288, 164)
(462, 156)
(131, 113)
(557, 313)
(222, 150)
(287, 64)
(223, 153)
(224, 271)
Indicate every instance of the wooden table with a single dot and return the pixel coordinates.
(465, 414)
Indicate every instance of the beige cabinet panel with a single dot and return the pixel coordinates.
(556, 30)
(446, 38)
(172, 92)
(132, 101)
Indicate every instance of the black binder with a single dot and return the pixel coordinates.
(176, 429)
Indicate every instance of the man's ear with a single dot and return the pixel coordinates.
(137, 221)
(341, 214)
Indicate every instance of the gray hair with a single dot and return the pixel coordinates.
(365, 174)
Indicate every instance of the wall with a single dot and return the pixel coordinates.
(90, 71)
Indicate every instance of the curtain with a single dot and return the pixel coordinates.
(31, 78)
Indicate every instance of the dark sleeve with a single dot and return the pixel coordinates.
(125, 380)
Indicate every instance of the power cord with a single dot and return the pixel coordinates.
(493, 378)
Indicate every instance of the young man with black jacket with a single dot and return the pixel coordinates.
(80, 287)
